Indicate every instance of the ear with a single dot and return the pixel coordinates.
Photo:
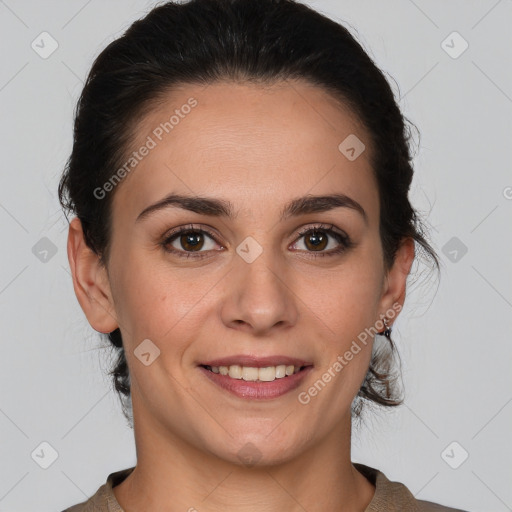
(395, 281)
(90, 281)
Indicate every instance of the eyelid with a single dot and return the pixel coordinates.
(322, 227)
(191, 227)
(343, 239)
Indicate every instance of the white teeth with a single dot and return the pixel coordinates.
(235, 371)
(267, 374)
(280, 371)
(251, 374)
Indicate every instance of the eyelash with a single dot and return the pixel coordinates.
(343, 239)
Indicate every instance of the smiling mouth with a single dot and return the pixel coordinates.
(256, 374)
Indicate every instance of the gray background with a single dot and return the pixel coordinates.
(455, 340)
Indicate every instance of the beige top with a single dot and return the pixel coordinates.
(389, 496)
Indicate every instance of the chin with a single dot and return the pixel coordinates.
(258, 451)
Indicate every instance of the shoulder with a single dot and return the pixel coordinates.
(429, 506)
(96, 503)
(393, 496)
(389, 496)
(103, 500)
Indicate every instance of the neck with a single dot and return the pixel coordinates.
(173, 475)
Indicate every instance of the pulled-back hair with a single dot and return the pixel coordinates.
(261, 41)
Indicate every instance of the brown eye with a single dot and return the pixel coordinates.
(316, 240)
(191, 241)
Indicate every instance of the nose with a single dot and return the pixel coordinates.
(259, 297)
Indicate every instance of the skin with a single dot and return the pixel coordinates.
(258, 147)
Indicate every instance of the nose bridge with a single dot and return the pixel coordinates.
(258, 296)
(260, 274)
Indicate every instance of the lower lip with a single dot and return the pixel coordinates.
(257, 389)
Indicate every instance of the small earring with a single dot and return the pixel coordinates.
(387, 331)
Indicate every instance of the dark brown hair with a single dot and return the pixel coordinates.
(265, 41)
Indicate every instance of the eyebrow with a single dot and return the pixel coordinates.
(221, 208)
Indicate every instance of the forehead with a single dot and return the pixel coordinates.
(250, 143)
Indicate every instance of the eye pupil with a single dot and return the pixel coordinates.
(318, 240)
(190, 241)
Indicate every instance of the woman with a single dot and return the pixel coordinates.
(242, 232)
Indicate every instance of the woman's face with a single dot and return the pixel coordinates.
(248, 284)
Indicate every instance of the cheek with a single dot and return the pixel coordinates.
(154, 299)
(348, 309)
(346, 299)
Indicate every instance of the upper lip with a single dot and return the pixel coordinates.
(257, 362)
